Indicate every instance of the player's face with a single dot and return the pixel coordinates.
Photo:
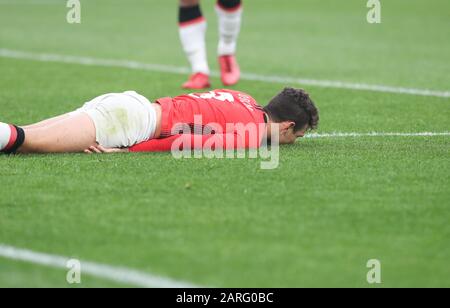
(288, 136)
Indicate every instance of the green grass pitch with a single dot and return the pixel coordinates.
(333, 203)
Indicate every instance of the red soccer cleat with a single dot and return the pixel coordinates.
(197, 81)
(229, 70)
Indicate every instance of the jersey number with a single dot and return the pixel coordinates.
(220, 96)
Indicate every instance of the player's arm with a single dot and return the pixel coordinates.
(181, 142)
(191, 142)
(154, 145)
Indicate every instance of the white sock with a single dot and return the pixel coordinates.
(5, 135)
(229, 28)
(193, 41)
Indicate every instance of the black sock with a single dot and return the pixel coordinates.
(19, 141)
(187, 14)
(229, 4)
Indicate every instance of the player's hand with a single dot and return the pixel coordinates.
(98, 149)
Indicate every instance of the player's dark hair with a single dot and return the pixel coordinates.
(293, 105)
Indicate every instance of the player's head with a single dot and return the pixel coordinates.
(295, 113)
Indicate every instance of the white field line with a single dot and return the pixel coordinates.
(112, 273)
(32, 2)
(376, 134)
(46, 57)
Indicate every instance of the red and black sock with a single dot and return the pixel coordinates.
(17, 138)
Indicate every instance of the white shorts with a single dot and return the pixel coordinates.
(121, 119)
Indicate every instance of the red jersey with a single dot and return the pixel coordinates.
(215, 112)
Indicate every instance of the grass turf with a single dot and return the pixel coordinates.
(315, 221)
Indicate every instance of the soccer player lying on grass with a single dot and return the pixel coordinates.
(128, 122)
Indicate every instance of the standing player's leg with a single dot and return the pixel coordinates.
(73, 133)
(192, 30)
(229, 13)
